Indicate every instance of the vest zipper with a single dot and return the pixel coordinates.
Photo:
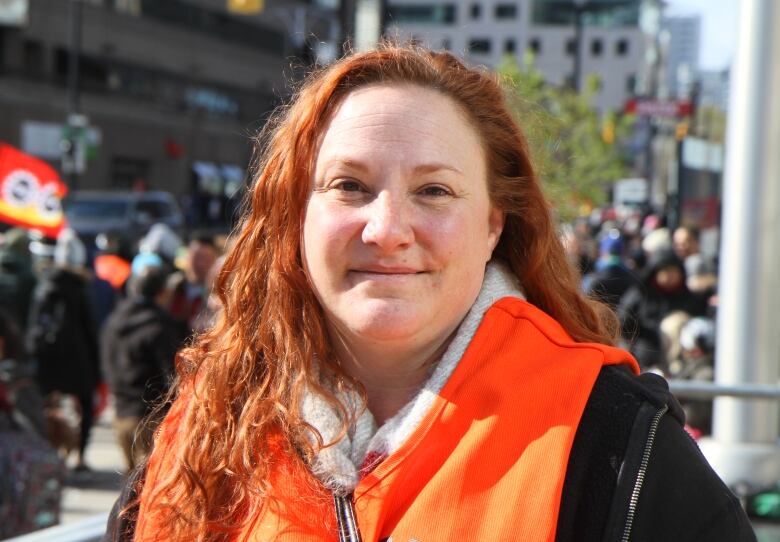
(640, 477)
(345, 516)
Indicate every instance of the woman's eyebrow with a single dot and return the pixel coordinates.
(349, 163)
(434, 167)
(358, 165)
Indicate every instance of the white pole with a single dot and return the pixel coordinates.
(744, 445)
(368, 24)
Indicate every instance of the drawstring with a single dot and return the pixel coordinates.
(345, 516)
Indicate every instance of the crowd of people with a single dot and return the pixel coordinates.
(663, 289)
(81, 323)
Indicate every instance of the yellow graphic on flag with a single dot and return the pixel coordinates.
(245, 7)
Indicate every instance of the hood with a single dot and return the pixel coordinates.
(659, 260)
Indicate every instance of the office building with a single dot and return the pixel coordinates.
(485, 31)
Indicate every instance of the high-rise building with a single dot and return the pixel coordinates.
(682, 36)
(714, 88)
(484, 32)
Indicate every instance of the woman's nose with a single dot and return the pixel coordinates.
(388, 223)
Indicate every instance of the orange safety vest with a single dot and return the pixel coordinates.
(487, 462)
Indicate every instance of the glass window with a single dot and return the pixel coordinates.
(126, 170)
(603, 13)
(506, 11)
(479, 46)
(154, 209)
(32, 54)
(535, 45)
(95, 208)
(476, 11)
(571, 47)
(621, 47)
(596, 47)
(509, 46)
(422, 14)
(214, 23)
(631, 83)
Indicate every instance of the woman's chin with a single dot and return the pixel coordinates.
(385, 323)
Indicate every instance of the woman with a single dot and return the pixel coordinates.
(403, 353)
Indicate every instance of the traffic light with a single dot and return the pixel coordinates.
(681, 131)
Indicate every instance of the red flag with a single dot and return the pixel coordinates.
(30, 192)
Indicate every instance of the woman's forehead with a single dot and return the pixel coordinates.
(412, 120)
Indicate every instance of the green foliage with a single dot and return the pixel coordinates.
(573, 148)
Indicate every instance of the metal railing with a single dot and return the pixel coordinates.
(702, 389)
(90, 529)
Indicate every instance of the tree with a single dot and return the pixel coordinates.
(574, 149)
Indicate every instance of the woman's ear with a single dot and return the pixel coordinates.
(495, 227)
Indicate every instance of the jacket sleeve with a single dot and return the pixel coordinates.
(121, 520)
(682, 498)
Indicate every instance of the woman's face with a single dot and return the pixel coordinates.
(399, 224)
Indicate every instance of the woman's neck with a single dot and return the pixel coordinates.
(391, 374)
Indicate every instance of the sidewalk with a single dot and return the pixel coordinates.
(90, 493)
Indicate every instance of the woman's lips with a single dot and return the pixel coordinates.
(386, 273)
(387, 270)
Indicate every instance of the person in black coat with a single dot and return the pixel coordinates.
(139, 342)
(62, 336)
(663, 290)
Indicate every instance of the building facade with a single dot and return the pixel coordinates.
(484, 32)
(169, 92)
(682, 37)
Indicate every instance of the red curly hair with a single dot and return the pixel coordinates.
(246, 376)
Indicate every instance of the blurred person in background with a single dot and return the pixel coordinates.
(62, 333)
(610, 278)
(112, 262)
(17, 375)
(403, 350)
(17, 277)
(31, 472)
(700, 270)
(189, 289)
(696, 361)
(138, 344)
(162, 242)
(643, 307)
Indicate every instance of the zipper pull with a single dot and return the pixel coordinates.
(345, 516)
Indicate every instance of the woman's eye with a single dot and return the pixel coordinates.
(348, 186)
(435, 191)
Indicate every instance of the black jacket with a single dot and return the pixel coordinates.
(634, 474)
(62, 336)
(138, 345)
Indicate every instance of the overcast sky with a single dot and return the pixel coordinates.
(719, 27)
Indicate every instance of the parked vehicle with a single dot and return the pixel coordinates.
(129, 213)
